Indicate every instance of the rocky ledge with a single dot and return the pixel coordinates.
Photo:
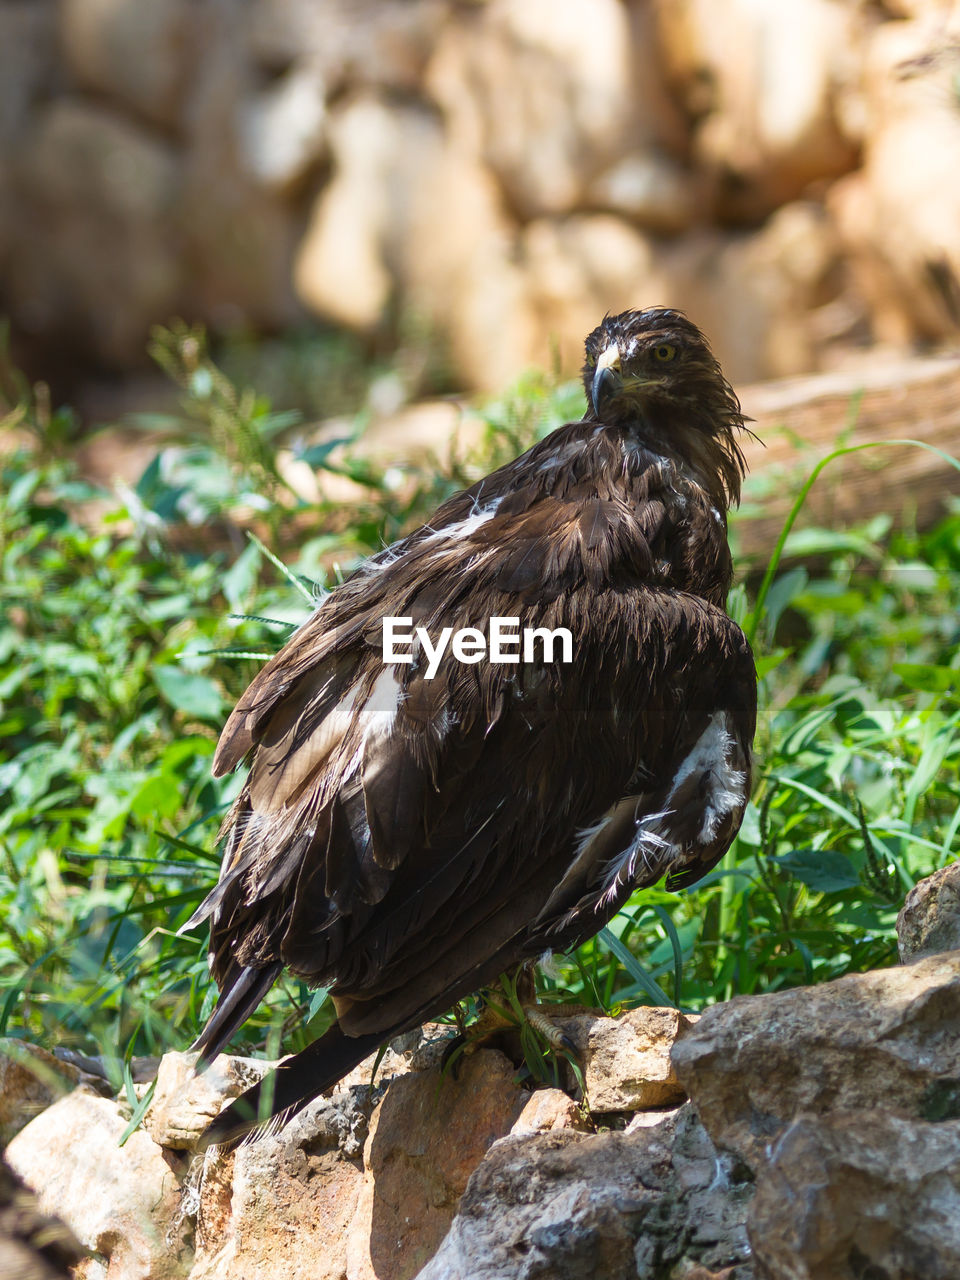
(812, 1134)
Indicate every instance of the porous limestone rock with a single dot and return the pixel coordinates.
(30, 1080)
(119, 1201)
(866, 1194)
(929, 920)
(33, 1245)
(626, 1060)
(888, 1039)
(548, 1110)
(657, 1202)
(184, 1102)
(281, 1208)
(426, 1138)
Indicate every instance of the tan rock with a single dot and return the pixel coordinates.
(283, 128)
(118, 1201)
(864, 1194)
(33, 1245)
(763, 81)
(758, 295)
(626, 1060)
(929, 921)
(280, 1208)
(110, 268)
(549, 93)
(238, 236)
(653, 1203)
(31, 1079)
(378, 43)
(286, 1206)
(889, 1039)
(417, 432)
(579, 268)
(900, 215)
(184, 1103)
(426, 1138)
(548, 1109)
(379, 155)
(141, 54)
(460, 269)
(651, 189)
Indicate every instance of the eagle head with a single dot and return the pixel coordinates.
(652, 372)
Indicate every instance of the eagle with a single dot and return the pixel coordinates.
(411, 829)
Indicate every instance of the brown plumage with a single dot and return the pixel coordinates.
(405, 840)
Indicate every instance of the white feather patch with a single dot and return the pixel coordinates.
(711, 756)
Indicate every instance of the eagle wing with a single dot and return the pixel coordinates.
(405, 839)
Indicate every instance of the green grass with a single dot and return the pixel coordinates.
(121, 624)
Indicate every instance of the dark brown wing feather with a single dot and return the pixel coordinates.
(359, 847)
(405, 839)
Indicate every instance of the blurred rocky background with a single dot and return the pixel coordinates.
(480, 179)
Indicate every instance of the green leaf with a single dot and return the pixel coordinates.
(186, 691)
(823, 870)
(927, 677)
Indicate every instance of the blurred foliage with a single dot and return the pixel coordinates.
(130, 623)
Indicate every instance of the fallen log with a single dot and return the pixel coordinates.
(799, 421)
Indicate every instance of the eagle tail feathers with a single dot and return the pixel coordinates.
(237, 1002)
(266, 1107)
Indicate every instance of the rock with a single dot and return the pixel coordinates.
(110, 268)
(651, 189)
(763, 85)
(407, 211)
(282, 1208)
(418, 432)
(549, 93)
(459, 263)
(899, 216)
(33, 1245)
(888, 1039)
(238, 236)
(118, 1201)
(379, 153)
(28, 63)
(759, 295)
(370, 43)
(929, 920)
(426, 1138)
(142, 55)
(548, 1110)
(283, 128)
(581, 267)
(659, 1202)
(184, 1103)
(30, 1080)
(626, 1060)
(339, 1192)
(861, 1195)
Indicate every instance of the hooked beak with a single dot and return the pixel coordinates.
(606, 379)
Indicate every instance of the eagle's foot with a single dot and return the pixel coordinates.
(508, 1029)
(544, 1017)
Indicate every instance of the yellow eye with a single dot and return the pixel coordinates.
(664, 352)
